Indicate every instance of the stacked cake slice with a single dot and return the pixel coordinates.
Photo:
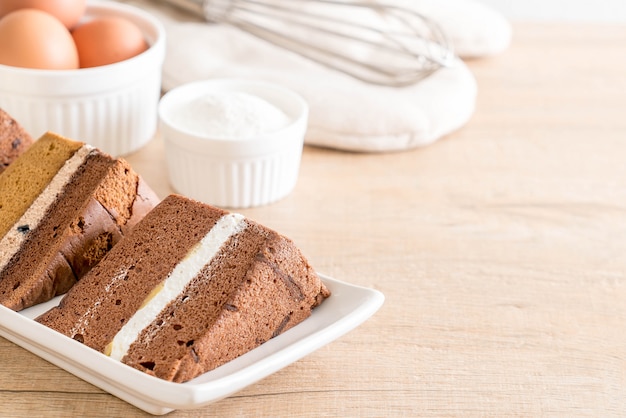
(63, 205)
(14, 140)
(191, 288)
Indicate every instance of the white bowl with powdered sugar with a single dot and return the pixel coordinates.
(233, 143)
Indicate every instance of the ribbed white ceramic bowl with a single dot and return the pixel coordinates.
(234, 173)
(113, 107)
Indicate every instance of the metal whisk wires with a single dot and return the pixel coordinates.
(374, 42)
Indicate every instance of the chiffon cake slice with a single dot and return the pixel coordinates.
(189, 289)
(63, 205)
(14, 140)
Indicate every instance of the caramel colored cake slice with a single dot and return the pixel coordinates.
(63, 205)
(14, 140)
(191, 288)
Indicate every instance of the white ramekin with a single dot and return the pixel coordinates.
(234, 173)
(112, 107)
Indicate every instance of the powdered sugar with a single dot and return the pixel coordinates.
(230, 115)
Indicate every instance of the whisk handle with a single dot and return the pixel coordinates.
(211, 10)
(193, 6)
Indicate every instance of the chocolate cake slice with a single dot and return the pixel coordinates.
(14, 140)
(191, 288)
(63, 205)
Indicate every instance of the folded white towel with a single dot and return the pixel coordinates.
(346, 113)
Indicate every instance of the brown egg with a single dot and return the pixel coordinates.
(107, 40)
(34, 39)
(67, 11)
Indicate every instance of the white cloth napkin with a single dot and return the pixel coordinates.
(345, 113)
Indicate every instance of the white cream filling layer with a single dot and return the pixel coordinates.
(14, 239)
(199, 256)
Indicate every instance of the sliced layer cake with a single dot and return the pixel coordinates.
(14, 140)
(191, 288)
(63, 205)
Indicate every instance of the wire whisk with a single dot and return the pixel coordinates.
(374, 42)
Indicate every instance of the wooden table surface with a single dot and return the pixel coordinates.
(501, 251)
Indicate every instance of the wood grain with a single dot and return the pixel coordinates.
(500, 249)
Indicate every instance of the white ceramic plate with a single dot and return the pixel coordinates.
(347, 308)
